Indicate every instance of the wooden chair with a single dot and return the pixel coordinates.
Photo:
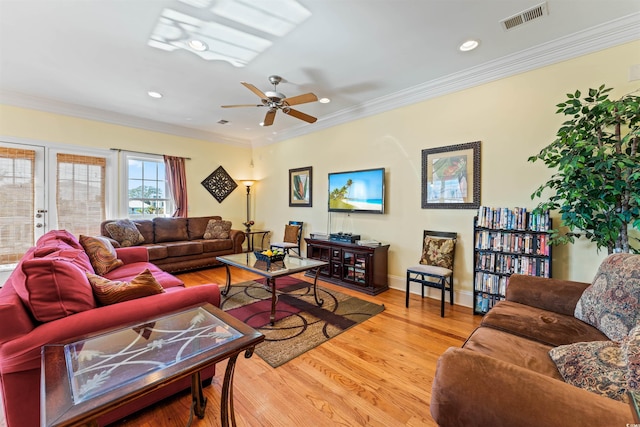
(436, 265)
(292, 238)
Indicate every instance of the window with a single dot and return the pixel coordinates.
(147, 192)
(80, 197)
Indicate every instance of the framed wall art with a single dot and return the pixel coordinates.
(219, 184)
(300, 187)
(451, 177)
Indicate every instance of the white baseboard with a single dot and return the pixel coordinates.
(463, 298)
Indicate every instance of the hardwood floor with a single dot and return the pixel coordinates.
(378, 373)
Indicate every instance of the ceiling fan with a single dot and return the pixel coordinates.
(275, 101)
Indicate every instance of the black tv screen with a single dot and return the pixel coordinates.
(357, 191)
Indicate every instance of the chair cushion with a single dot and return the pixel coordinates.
(438, 252)
(218, 229)
(597, 366)
(101, 253)
(612, 302)
(113, 291)
(291, 233)
(125, 232)
(431, 269)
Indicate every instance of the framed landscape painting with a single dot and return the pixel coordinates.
(451, 177)
(300, 187)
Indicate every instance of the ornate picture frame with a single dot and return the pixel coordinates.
(300, 187)
(451, 177)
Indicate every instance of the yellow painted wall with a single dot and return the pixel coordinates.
(513, 118)
(36, 126)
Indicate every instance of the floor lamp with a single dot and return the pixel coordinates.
(248, 183)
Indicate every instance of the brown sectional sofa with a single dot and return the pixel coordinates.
(504, 376)
(177, 244)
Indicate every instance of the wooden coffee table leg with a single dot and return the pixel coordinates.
(227, 413)
(198, 401)
(228, 286)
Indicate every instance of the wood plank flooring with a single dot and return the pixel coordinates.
(378, 373)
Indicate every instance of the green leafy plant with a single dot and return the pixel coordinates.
(597, 184)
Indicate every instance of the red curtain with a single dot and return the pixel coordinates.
(177, 180)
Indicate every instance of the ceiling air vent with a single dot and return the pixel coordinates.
(223, 122)
(525, 16)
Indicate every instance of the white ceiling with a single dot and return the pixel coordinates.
(90, 58)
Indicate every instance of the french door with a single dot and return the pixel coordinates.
(44, 188)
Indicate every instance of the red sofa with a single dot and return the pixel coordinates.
(48, 299)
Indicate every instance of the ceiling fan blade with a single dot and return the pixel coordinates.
(301, 99)
(242, 105)
(300, 115)
(254, 89)
(268, 118)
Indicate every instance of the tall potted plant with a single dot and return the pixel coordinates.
(596, 187)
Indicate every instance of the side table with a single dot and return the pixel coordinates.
(251, 236)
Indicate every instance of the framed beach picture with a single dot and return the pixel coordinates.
(451, 177)
(300, 187)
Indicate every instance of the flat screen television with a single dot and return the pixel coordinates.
(357, 191)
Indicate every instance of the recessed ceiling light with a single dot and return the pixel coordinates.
(468, 45)
(154, 94)
(198, 45)
(324, 100)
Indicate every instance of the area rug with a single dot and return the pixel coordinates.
(300, 324)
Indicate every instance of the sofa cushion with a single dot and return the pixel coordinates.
(54, 287)
(170, 229)
(101, 253)
(612, 302)
(129, 271)
(217, 245)
(218, 229)
(631, 351)
(157, 252)
(145, 227)
(125, 232)
(540, 325)
(179, 249)
(597, 366)
(438, 252)
(523, 352)
(114, 291)
(59, 235)
(196, 226)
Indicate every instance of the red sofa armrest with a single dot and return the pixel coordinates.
(23, 353)
(132, 254)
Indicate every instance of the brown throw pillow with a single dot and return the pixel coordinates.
(114, 291)
(438, 252)
(218, 229)
(101, 253)
(125, 232)
(291, 233)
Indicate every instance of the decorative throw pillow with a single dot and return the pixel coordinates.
(291, 233)
(218, 229)
(101, 253)
(612, 302)
(125, 232)
(438, 252)
(113, 291)
(597, 366)
(631, 350)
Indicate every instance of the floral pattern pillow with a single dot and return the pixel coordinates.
(125, 232)
(438, 252)
(631, 349)
(612, 302)
(597, 366)
(218, 229)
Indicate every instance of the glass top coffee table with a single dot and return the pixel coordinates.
(84, 379)
(271, 271)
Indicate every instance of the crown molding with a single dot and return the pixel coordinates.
(603, 36)
(56, 107)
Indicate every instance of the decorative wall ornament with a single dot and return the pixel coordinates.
(219, 184)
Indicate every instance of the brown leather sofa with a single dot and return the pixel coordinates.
(177, 244)
(504, 376)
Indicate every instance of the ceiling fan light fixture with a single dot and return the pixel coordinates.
(469, 45)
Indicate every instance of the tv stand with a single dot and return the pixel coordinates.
(362, 268)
